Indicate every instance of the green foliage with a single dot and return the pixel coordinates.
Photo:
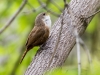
(13, 39)
(93, 69)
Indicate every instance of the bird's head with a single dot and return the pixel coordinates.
(44, 18)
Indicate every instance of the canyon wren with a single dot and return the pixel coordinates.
(39, 33)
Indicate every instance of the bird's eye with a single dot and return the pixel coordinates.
(44, 14)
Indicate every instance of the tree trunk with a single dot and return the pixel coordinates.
(73, 18)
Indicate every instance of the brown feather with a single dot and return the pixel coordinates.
(37, 36)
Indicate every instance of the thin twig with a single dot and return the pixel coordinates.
(44, 6)
(55, 4)
(13, 17)
(78, 52)
(86, 49)
(79, 41)
(88, 55)
(93, 14)
(33, 9)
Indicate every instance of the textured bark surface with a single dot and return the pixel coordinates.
(72, 19)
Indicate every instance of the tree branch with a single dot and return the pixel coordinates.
(71, 21)
(13, 17)
(44, 6)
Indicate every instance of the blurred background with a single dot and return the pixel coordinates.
(13, 39)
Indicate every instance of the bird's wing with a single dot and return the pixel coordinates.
(35, 34)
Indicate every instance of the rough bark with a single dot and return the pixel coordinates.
(72, 19)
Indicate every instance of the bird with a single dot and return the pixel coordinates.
(40, 32)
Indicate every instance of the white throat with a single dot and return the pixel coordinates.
(47, 21)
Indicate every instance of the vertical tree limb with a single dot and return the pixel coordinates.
(76, 10)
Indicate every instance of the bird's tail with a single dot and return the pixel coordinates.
(23, 56)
